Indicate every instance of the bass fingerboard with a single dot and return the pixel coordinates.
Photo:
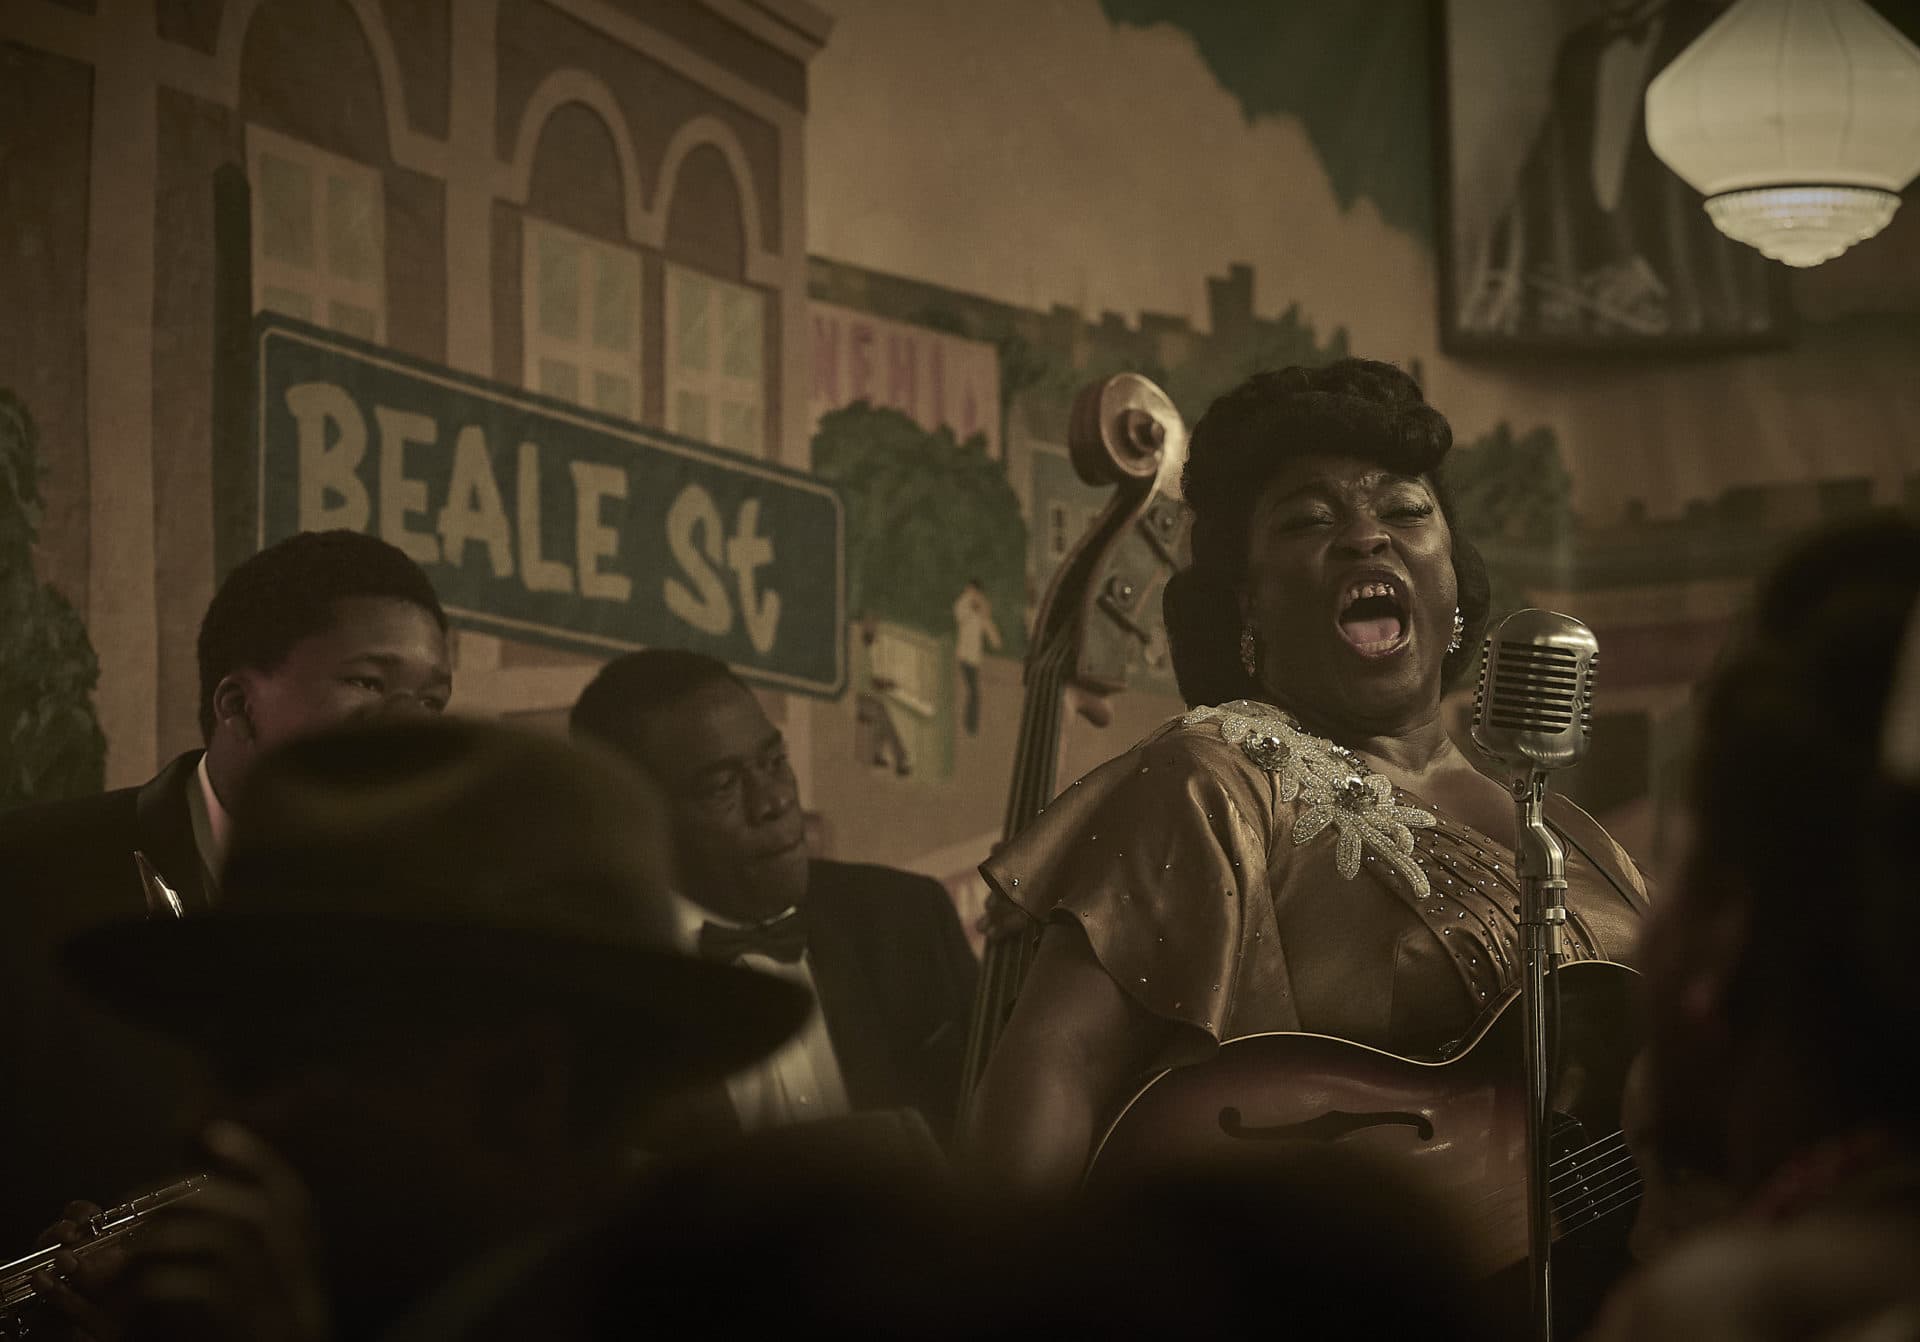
(1006, 959)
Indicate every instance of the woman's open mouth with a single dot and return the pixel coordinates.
(1373, 617)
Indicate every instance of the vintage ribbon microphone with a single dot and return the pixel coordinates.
(1533, 712)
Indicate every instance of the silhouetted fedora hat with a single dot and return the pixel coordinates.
(424, 865)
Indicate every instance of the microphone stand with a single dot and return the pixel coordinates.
(1541, 866)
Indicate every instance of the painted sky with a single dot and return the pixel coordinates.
(1074, 161)
(1366, 112)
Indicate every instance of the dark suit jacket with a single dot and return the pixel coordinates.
(896, 980)
(88, 1105)
(895, 977)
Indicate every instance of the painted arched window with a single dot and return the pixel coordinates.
(581, 275)
(582, 318)
(716, 363)
(314, 104)
(716, 360)
(319, 237)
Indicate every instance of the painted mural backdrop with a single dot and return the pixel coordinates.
(873, 260)
(1571, 232)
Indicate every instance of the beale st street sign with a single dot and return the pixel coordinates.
(538, 520)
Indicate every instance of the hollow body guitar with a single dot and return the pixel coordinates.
(1457, 1125)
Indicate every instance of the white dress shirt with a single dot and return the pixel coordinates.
(802, 1079)
(210, 823)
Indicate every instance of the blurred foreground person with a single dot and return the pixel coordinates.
(437, 997)
(320, 629)
(858, 1240)
(883, 950)
(1778, 973)
(1675, 1201)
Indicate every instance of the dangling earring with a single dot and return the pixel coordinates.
(1248, 659)
(1459, 632)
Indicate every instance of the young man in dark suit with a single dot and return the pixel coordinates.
(435, 1000)
(321, 629)
(883, 950)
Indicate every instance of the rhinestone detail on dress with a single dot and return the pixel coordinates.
(1333, 786)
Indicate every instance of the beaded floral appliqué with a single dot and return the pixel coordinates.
(1332, 784)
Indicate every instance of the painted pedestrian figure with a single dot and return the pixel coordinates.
(877, 740)
(973, 618)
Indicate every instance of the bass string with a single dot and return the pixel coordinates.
(1606, 1148)
(1504, 1199)
(1601, 1173)
(1600, 1193)
(1623, 1193)
(1620, 1201)
(1032, 788)
(1597, 1195)
(1606, 1160)
(1612, 1139)
(1039, 730)
(1004, 960)
(1599, 1189)
(1588, 1168)
(1500, 1204)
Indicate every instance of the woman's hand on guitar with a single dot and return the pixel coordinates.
(1002, 918)
(1675, 1202)
(1093, 705)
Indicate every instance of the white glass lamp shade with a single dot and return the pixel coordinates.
(1799, 120)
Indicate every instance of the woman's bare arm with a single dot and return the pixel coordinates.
(1075, 1040)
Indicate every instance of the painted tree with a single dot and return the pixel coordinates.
(1022, 365)
(1513, 495)
(924, 513)
(1510, 487)
(50, 742)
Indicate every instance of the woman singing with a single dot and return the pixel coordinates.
(1307, 849)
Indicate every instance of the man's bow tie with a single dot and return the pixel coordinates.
(783, 938)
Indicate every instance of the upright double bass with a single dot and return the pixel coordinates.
(1099, 616)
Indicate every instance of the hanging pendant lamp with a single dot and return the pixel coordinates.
(1799, 120)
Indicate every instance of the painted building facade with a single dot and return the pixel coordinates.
(740, 221)
(598, 200)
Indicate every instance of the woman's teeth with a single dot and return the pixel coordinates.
(1382, 626)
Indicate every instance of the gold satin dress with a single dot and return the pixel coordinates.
(1236, 875)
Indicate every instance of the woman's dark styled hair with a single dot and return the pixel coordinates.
(1792, 820)
(288, 592)
(1352, 407)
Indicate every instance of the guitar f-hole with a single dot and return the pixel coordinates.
(1328, 1127)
